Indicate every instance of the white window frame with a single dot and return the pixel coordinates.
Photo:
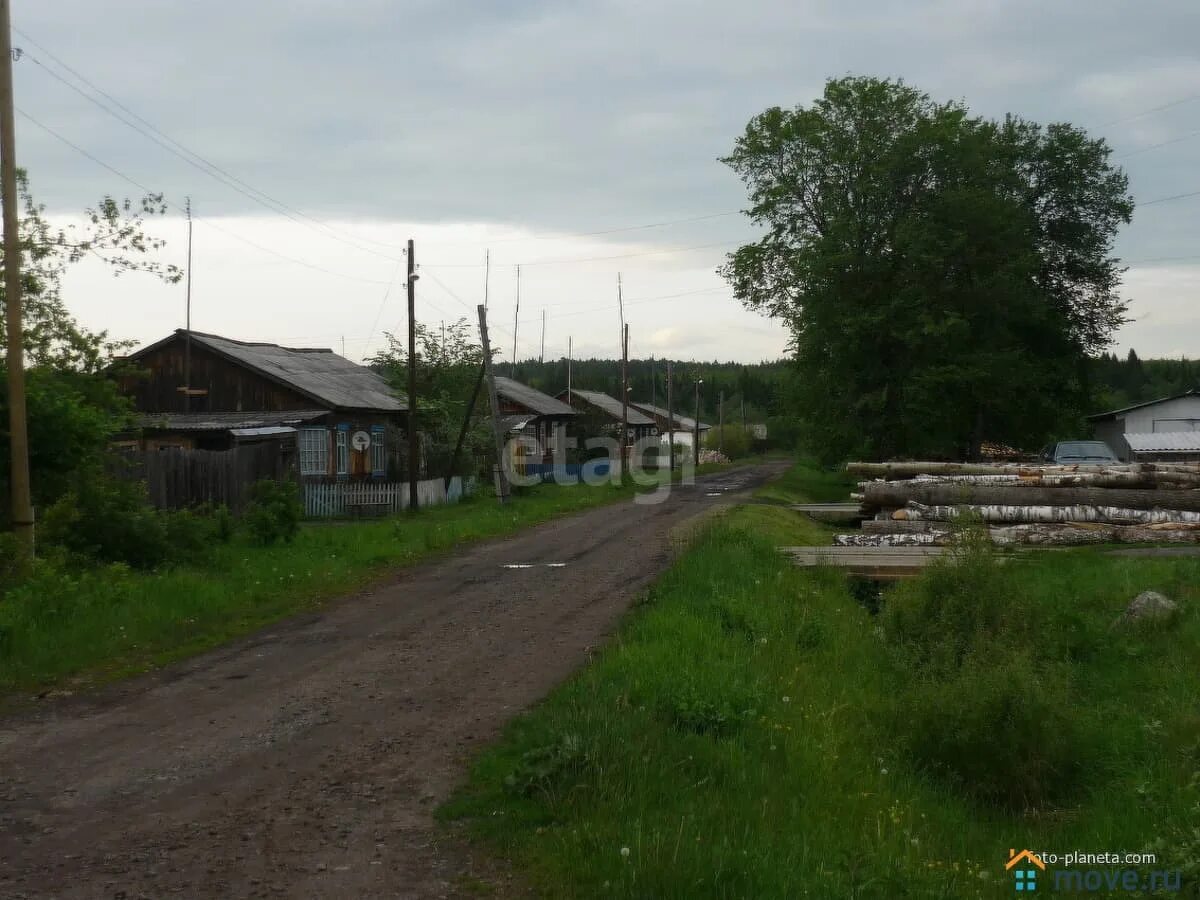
(314, 451)
(342, 445)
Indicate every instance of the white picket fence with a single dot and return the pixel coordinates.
(349, 499)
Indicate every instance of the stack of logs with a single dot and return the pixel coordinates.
(910, 504)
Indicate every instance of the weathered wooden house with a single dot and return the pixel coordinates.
(340, 419)
(683, 429)
(528, 412)
(609, 410)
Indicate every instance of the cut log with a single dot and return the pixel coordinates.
(900, 493)
(1110, 515)
(894, 526)
(1065, 535)
(902, 470)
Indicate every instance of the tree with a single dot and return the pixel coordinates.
(113, 232)
(945, 278)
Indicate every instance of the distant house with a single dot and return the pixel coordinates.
(1169, 415)
(684, 428)
(340, 419)
(527, 411)
(609, 410)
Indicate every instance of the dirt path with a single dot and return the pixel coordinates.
(307, 760)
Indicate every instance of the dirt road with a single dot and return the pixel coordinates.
(307, 760)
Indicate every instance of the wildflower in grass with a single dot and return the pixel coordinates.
(787, 699)
(625, 852)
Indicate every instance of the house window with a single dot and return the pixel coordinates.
(314, 451)
(378, 456)
(343, 450)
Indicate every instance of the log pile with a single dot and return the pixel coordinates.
(913, 504)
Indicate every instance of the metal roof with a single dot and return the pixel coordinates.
(1098, 417)
(228, 421)
(1164, 442)
(321, 375)
(612, 406)
(682, 421)
(531, 398)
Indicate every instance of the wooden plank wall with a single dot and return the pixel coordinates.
(177, 478)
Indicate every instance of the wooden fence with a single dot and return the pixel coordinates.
(351, 499)
(177, 478)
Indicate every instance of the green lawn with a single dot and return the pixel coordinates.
(750, 731)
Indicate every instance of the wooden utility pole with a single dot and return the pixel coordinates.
(721, 422)
(542, 354)
(487, 271)
(516, 324)
(501, 475)
(624, 397)
(570, 353)
(653, 385)
(22, 504)
(670, 416)
(696, 426)
(187, 318)
(413, 451)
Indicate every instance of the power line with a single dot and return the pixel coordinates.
(1151, 111)
(208, 223)
(1172, 197)
(192, 158)
(582, 259)
(1186, 137)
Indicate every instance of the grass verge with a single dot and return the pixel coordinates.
(745, 734)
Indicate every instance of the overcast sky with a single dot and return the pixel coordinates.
(524, 126)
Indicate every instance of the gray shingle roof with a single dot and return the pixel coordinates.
(216, 421)
(612, 406)
(682, 422)
(321, 375)
(530, 398)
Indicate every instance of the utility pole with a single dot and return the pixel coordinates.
(624, 397)
(542, 354)
(487, 271)
(570, 353)
(22, 503)
(413, 451)
(670, 416)
(516, 324)
(696, 426)
(501, 475)
(653, 385)
(721, 423)
(187, 319)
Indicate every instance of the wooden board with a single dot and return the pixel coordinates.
(835, 513)
(882, 563)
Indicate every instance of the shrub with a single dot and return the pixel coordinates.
(107, 520)
(733, 440)
(1002, 730)
(274, 511)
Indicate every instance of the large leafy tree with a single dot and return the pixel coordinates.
(944, 277)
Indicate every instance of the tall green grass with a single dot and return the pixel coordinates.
(745, 734)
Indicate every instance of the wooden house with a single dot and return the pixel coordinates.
(340, 419)
(684, 428)
(527, 412)
(608, 409)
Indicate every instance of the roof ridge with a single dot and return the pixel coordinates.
(229, 340)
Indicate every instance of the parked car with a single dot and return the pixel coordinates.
(1087, 453)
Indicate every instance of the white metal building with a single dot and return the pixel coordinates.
(1180, 413)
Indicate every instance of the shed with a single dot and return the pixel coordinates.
(684, 427)
(1180, 413)
(1164, 446)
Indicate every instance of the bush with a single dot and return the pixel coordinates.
(274, 511)
(108, 520)
(1002, 730)
(733, 440)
